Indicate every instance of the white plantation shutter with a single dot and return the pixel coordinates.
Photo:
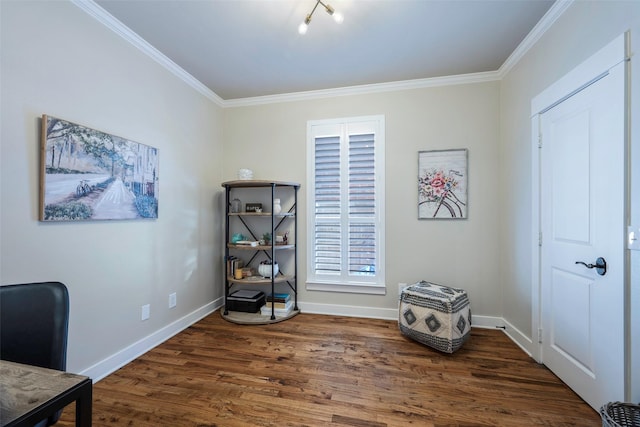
(327, 231)
(346, 181)
(362, 204)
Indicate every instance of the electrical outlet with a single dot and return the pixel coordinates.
(146, 311)
(172, 300)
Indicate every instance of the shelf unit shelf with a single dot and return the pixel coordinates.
(247, 219)
(267, 214)
(261, 280)
(242, 318)
(258, 248)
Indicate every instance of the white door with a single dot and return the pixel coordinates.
(582, 188)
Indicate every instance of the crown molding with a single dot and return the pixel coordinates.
(105, 18)
(549, 18)
(366, 89)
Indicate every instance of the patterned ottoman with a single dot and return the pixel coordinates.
(435, 315)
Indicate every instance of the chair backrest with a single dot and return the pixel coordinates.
(34, 321)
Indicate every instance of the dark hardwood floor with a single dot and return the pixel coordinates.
(316, 370)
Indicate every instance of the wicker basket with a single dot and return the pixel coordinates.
(618, 414)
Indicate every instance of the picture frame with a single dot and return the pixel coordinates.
(443, 184)
(87, 174)
(253, 207)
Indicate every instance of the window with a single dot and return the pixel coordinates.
(345, 250)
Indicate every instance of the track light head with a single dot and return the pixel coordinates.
(302, 29)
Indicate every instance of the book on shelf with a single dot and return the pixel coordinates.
(279, 297)
(277, 305)
(233, 263)
(247, 243)
(265, 310)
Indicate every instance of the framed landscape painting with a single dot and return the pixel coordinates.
(442, 184)
(87, 174)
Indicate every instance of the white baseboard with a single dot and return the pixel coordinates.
(486, 322)
(349, 310)
(384, 313)
(521, 340)
(126, 355)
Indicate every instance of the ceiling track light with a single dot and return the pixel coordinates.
(302, 29)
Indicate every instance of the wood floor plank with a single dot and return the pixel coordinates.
(315, 370)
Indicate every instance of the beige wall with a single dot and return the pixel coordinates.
(58, 60)
(271, 140)
(582, 30)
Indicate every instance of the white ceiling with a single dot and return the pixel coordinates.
(249, 48)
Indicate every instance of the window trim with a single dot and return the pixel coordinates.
(377, 286)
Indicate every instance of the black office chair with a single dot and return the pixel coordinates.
(34, 321)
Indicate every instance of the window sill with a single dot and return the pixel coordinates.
(352, 288)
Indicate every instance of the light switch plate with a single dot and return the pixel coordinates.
(633, 238)
(146, 311)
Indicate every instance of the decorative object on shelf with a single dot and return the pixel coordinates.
(442, 184)
(80, 167)
(264, 269)
(237, 237)
(266, 237)
(282, 238)
(245, 174)
(236, 205)
(337, 16)
(253, 207)
(276, 206)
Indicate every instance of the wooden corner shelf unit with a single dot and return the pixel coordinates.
(250, 222)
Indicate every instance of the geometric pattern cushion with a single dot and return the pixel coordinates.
(435, 315)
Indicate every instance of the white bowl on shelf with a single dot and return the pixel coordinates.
(265, 270)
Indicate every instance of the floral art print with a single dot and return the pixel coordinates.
(442, 184)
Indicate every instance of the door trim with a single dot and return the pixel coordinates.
(585, 74)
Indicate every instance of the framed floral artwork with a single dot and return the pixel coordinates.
(442, 184)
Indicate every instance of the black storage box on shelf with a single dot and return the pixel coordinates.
(245, 300)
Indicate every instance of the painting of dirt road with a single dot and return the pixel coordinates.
(91, 175)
